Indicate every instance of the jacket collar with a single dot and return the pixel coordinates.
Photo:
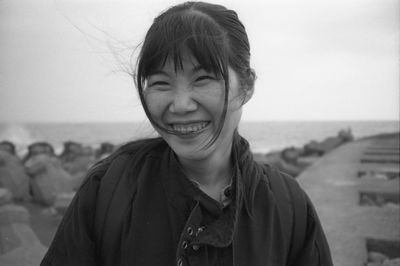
(179, 188)
(183, 194)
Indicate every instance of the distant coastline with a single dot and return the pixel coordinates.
(264, 136)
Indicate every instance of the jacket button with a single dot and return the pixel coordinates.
(199, 230)
(228, 192)
(190, 231)
(195, 247)
(180, 262)
(184, 245)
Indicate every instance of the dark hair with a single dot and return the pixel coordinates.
(211, 33)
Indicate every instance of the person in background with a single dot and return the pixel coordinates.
(194, 195)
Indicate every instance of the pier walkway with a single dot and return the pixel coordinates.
(355, 189)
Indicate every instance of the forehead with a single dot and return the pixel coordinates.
(183, 57)
(185, 62)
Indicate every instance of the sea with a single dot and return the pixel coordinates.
(263, 136)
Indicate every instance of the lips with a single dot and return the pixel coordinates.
(189, 128)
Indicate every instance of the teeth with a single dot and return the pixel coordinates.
(189, 128)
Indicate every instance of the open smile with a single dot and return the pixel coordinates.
(191, 128)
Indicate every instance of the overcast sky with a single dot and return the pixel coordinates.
(61, 60)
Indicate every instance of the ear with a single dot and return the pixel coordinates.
(248, 93)
(249, 87)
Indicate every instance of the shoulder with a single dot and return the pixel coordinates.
(284, 186)
(138, 149)
(131, 153)
(308, 241)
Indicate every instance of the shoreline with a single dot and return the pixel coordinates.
(263, 136)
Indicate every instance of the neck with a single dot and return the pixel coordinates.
(213, 171)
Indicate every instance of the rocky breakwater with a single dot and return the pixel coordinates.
(34, 193)
(19, 245)
(293, 160)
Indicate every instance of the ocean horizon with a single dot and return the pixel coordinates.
(263, 136)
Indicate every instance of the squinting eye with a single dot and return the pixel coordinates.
(204, 78)
(159, 86)
(159, 83)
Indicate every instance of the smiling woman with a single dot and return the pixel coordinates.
(185, 106)
(193, 196)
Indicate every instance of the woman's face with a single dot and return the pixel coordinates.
(190, 101)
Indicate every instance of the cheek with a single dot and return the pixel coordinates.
(212, 98)
(213, 104)
(156, 105)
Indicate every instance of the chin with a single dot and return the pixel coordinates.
(189, 153)
(191, 148)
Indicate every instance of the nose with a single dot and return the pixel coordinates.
(182, 102)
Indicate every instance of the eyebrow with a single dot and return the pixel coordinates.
(197, 68)
(158, 72)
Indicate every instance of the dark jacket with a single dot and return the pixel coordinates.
(156, 213)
